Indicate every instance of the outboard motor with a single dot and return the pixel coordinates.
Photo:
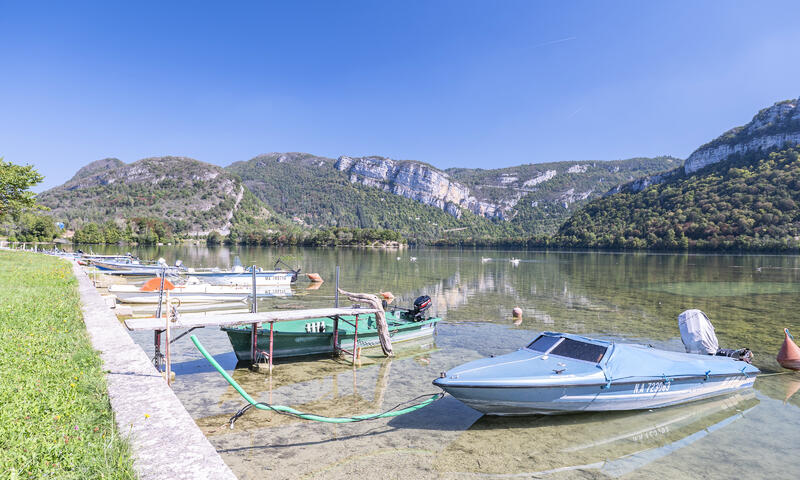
(421, 305)
(699, 337)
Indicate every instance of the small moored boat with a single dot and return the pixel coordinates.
(133, 267)
(315, 336)
(243, 277)
(564, 373)
(197, 293)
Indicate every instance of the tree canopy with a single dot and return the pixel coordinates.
(15, 180)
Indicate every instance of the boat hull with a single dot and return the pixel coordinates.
(133, 269)
(553, 400)
(150, 298)
(197, 293)
(291, 340)
(244, 278)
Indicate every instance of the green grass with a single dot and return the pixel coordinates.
(55, 416)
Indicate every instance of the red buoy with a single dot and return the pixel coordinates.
(789, 356)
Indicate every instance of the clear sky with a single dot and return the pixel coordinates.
(461, 83)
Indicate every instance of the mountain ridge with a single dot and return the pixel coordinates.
(739, 191)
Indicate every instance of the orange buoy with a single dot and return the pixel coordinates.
(789, 356)
(387, 295)
(314, 277)
(154, 285)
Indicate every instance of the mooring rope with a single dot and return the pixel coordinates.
(284, 410)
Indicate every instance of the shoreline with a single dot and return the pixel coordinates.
(165, 440)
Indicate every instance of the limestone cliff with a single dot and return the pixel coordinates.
(416, 181)
(772, 127)
(533, 194)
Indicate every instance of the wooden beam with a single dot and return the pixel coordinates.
(207, 320)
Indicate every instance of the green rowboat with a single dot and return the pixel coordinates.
(315, 336)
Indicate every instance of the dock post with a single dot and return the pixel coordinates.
(254, 306)
(336, 334)
(254, 326)
(271, 325)
(167, 340)
(355, 342)
(336, 294)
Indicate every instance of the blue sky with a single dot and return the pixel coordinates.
(471, 84)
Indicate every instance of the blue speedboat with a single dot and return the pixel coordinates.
(564, 373)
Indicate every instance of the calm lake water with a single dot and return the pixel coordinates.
(627, 297)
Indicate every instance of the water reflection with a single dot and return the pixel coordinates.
(627, 297)
(614, 443)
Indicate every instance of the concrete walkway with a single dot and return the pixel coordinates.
(167, 444)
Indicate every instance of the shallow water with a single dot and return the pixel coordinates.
(629, 297)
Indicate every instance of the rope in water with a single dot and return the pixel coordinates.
(282, 409)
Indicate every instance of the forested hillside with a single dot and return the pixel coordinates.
(308, 189)
(749, 201)
(540, 197)
(173, 194)
(473, 205)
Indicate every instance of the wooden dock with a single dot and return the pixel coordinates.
(191, 322)
(228, 320)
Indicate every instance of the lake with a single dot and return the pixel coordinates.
(633, 297)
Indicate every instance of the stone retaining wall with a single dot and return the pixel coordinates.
(166, 442)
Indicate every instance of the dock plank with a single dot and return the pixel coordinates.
(205, 320)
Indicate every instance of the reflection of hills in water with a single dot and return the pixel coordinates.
(628, 296)
(614, 443)
(622, 295)
(320, 385)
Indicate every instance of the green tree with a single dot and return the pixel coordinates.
(214, 238)
(15, 180)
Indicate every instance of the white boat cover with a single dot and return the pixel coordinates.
(697, 333)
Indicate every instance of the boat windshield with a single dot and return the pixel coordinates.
(543, 343)
(588, 352)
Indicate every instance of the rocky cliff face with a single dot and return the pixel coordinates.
(416, 181)
(195, 197)
(98, 167)
(503, 193)
(772, 127)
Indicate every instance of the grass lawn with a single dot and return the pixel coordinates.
(55, 417)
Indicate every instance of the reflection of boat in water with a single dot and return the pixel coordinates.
(326, 386)
(563, 373)
(615, 443)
